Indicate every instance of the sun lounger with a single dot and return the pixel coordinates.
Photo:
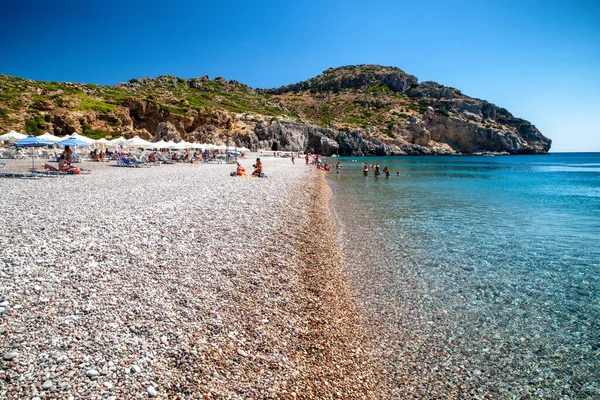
(19, 175)
(130, 162)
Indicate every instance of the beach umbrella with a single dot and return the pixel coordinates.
(138, 142)
(102, 142)
(32, 141)
(82, 138)
(182, 145)
(50, 137)
(160, 145)
(116, 142)
(73, 142)
(12, 135)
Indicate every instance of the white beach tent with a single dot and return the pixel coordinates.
(12, 136)
(50, 137)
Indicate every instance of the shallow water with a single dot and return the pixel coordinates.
(506, 248)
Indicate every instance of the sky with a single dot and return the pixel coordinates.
(538, 59)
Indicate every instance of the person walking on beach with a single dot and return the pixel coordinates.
(293, 158)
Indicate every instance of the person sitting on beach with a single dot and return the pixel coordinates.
(326, 167)
(63, 166)
(152, 157)
(386, 170)
(258, 168)
(241, 171)
(68, 153)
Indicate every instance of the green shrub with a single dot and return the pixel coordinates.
(443, 112)
(35, 125)
(89, 104)
(92, 133)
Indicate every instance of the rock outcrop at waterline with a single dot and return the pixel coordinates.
(355, 110)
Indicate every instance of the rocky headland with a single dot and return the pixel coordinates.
(353, 110)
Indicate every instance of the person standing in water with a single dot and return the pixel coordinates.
(386, 170)
(338, 167)
(377, 171)
(366, 169)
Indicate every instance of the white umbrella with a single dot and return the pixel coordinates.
(182, 145)
(103, 142)
(83, 138)
(160, 145)
(221, 147)
(12, 135)
(116, 142)
(50, 137)
(138, 142)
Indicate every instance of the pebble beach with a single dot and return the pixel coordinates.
(176, 281)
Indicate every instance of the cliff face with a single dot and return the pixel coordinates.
(357, 110)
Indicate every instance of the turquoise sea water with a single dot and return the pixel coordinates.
(503, 252)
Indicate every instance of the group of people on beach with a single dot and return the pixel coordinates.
(65, 163)
(258, 169)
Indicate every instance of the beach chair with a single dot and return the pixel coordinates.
(130, 162)
(48, 173)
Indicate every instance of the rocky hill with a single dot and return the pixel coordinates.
(354, 110)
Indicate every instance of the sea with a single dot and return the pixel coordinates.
(488, 265)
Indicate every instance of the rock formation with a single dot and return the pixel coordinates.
(355, 110)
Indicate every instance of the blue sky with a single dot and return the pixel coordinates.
(538, 59)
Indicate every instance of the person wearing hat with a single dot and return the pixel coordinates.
(258, 168)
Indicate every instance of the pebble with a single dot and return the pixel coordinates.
(47, 385)
(4, 303)
(10, 356)
(92, 373)
(151, 391)
(136, 369)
